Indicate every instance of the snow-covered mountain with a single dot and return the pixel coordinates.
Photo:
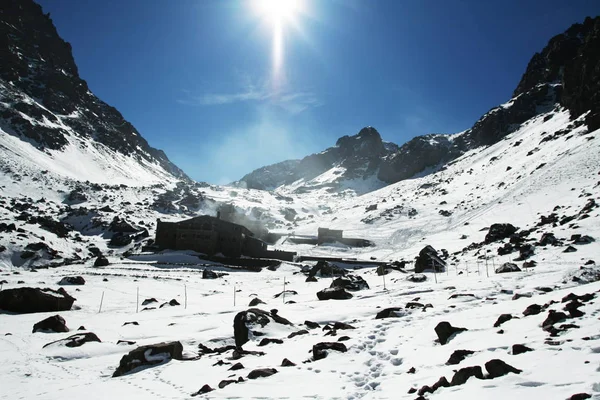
(517, 192)
(565, 73)
(48, 116)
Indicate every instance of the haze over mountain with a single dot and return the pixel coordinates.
(475, 274)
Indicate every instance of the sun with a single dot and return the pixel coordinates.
(277, 12)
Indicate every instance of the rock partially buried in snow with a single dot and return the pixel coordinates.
(56, 323)
(76, 340)
(262, 373)
(244, 320)
(350, 282)
(497, 368)
(72, 280)
(146, 356)
(445, 331)
(520, 349)
(204, 389)
(320, 350)
(417, 278)
(462, 375)
(499, 232)
(508, 267)
(334, 293)
(457, 356)
(101, 261)
(31, 300)
(392, 312)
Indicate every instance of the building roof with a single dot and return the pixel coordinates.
(214, 219)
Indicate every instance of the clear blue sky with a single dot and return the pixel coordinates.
(197, 78)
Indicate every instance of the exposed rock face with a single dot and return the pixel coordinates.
(31, 300)
(39, 79)
(149, 355)
(360, 155)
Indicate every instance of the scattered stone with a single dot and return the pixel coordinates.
(298, 333)
(56, 323)
(533, 309)
(497, 368)
(286, 293)
(266, 341)
(391, 312)
(226, 382)
(131, 323)
(76, 340)
(72, 280)
(520, 349)
(236, 367)
(581, 239)
(334, 293)
(31, 300)
(101, 261)
(320, 350)
(570, 249)
(126, 342)
(499, 231)
(458, 356)
(502, 319)
(311, 279)
(412, 370)
(149, 355)
(416, 278)
(262, 373)
(208, 274)
(553, 318)
(149, 301)
(203, 389)
(462, 375)
(255, 301)
(171, 303)
(249, 319)
(287, 363)
(311, 325)
(507, 267)
(445, 331)
(343, 338)
(580, 396)
(350, 282)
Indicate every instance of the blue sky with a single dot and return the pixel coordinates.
(197, 77)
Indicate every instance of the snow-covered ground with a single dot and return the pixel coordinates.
(517, 181)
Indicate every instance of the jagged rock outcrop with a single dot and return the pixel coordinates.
(45, 102)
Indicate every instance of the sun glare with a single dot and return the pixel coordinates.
(277, 11)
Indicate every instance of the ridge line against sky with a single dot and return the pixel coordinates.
(223, 87)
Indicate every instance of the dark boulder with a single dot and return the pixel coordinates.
(120, 240)
(334, 293)
(56, 323)
(520, 349)
(311, 325)
(146, 356)
(262, 373)
(76, 340)
(502, 319)
(101, 261)
(497, 368)
(580, 396)
(208, 274)
(507, 267)
(416, 278)
(171, 303)
(250, 319)
(255, 301)
(149, 301)
(287, 363)
(236, 366)
(570, 249)
(311, 279)
(445, 331)
(582, 239)
(462, 375)
(429, 259)
(350, 282)
(298, 333)
(457, 356)
(548, 239)
(499, 232)
(390, 312)
(533, 309)
(320, 350)
(553, 318)
(267, 341)
(204, 389)
(72, 280)
(32, 300)
(326, 269)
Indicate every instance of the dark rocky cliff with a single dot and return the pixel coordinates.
(42, 98)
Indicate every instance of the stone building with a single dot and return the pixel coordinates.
(212, 235)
